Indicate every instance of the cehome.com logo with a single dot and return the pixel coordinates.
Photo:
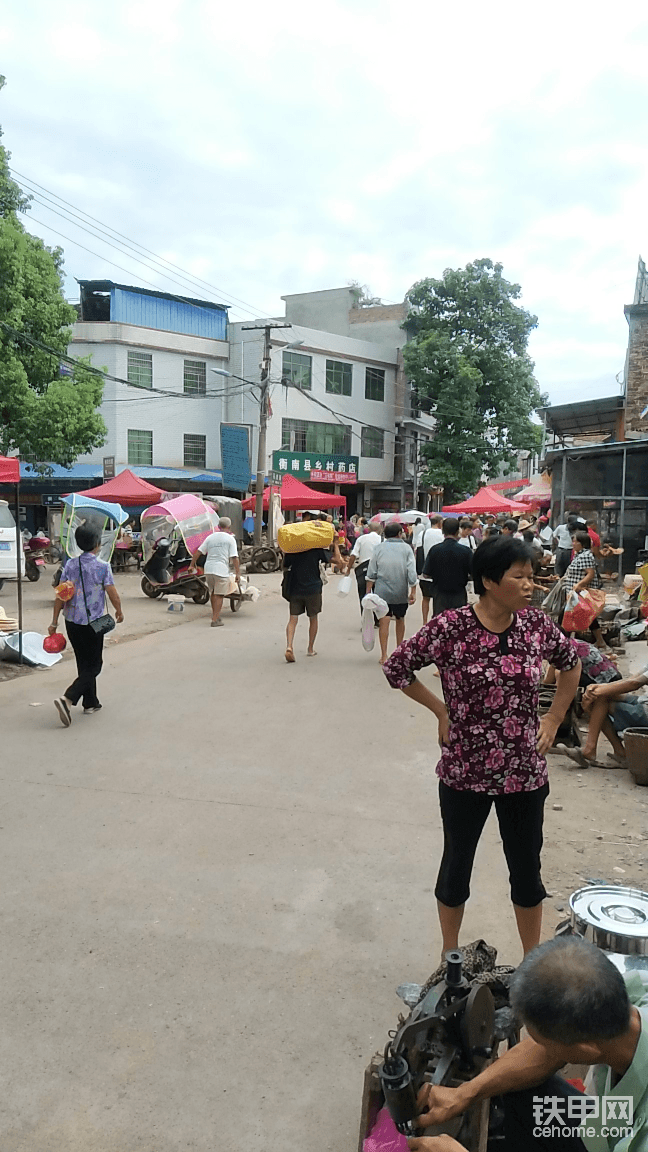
(555, 1115)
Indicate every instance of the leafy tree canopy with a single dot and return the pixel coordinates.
(43, 416)
(467, 359)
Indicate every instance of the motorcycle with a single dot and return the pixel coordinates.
(167, 571)
(171, 533)
(35, 549)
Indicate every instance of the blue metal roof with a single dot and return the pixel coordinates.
(150, 311)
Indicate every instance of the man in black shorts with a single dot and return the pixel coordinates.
(305, 589)
(392, 575)
(447, 570)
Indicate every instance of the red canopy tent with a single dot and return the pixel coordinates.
(486, 500)
(537, 492)
(296, 495)
(10, 474)
(126, 489)
(9, 470)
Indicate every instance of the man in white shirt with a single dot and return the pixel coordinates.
(562, 539)
(418, 534)
(545, 533)
(433, 536)
(361, 554)
(219, 548)
(465, 535)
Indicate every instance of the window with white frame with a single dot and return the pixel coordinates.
(195, 378)
(339, 377)
(195, 451)
(140, 446)
(374, 384)
(298, 369)
(140, 369)
(372, 443)
(313, 436)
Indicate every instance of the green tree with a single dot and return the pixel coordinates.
(467, 360)
(43, 416)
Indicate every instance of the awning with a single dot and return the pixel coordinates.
(9, 470)
(126, 489)
(295, 495)
(485, 501)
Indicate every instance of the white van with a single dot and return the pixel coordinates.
(8, 545)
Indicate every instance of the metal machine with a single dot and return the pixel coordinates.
(457, 1021)
(451, 1034)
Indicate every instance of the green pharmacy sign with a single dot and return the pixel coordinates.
(328, 468)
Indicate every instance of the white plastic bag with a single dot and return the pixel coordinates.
(344, 586)
(377, 605)
(372, 607)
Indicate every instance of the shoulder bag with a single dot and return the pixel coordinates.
(102, 624)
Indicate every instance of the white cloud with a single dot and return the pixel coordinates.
(277, 150)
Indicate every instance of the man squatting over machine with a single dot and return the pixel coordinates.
(577, 1008)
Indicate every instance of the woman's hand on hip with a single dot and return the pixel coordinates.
(444, 727)
(547, 733)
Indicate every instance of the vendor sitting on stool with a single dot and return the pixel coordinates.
(612, 708)
(577, 1009)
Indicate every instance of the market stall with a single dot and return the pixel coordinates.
(296, 496)
(487, 500)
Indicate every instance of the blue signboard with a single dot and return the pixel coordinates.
(235, 457)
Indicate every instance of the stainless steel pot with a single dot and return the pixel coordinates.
(615, 919)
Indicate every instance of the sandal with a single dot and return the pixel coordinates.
(615, 761)
(576, 755)
(290, 656)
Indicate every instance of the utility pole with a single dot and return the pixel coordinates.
(263, 422)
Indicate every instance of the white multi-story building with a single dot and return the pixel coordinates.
(338, 397)
(165, 347)
(341, 418)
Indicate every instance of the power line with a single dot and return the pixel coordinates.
(120, 248)
(149, 393)
(243, 305)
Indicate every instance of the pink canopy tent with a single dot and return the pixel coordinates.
(538, 492)
(126, 489)
(485, 501)
(10, 474)
(296, 495)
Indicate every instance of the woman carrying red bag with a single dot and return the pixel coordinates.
(583, 574)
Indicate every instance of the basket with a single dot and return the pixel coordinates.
(635, 741)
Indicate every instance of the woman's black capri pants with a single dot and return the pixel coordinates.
(519, 815)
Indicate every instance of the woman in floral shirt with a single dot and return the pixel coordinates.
(93, 581)
(490, 660)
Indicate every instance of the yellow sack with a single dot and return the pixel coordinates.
(301, 537)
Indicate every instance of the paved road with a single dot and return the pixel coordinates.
(212, 888)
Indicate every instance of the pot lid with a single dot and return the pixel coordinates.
(620, 910)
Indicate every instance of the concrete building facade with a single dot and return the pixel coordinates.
(177, 370)
(176, 423)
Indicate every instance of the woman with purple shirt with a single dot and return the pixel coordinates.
(492, 744)
(93, 581)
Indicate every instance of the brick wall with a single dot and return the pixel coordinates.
(637, 368)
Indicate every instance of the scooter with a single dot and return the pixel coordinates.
(35, 549)
(165, 572)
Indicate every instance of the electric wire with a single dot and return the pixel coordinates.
(149, 393)
(242, 305)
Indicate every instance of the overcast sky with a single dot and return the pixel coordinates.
(270, 149)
